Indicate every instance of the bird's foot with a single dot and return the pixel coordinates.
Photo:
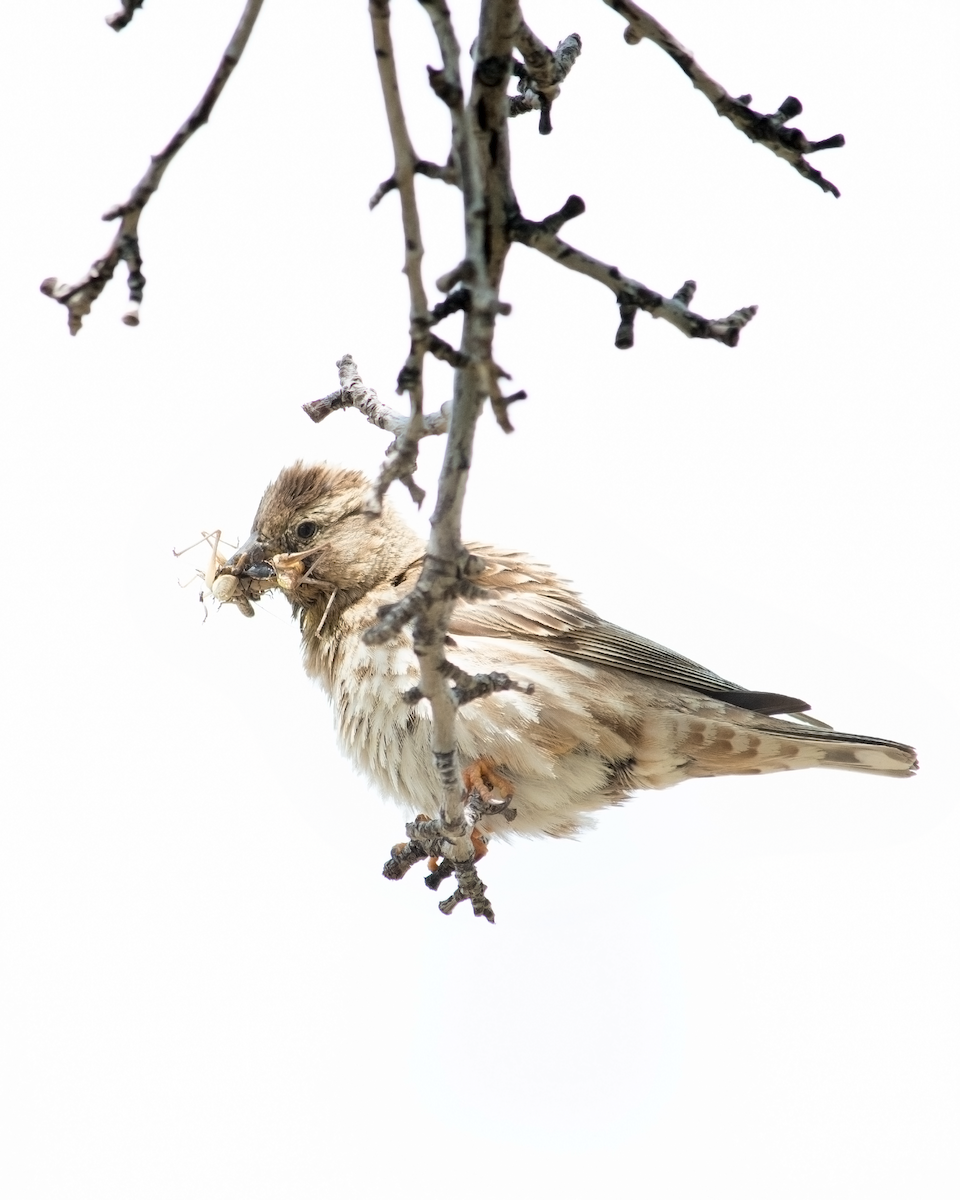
(428, 840)
(480, 780)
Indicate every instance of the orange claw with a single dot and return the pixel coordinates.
(481, 776)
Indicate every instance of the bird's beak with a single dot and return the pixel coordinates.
(250, 561)
(245, 576)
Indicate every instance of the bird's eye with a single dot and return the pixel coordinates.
(306, 529)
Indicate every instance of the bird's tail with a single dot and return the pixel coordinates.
(734, 741)
(804, 746)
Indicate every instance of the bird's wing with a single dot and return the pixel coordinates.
(523, 600)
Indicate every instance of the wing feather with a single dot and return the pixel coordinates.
(522, 599)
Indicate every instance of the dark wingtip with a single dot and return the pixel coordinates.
(771, 704)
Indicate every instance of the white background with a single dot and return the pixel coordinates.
(738, 988)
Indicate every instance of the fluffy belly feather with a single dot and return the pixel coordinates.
(566, 748)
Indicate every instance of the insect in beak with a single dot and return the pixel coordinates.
(244, 576)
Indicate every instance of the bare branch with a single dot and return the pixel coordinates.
(447, 173)
(481, 149)
(469, 887)
(353, 393)
(467, 687)
(78, 298)
(447, 85)
(456, 301)
(767, 129)
(541, 72)
(401, 459)
(120, 20)
(631, 295)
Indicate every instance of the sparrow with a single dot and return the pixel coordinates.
(603, 712)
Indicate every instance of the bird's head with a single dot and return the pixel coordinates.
(313, 537)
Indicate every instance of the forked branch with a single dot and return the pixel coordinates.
(78, 298)
(631, 295)
(769, 129)
(354, 393)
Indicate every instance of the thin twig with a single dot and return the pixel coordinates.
(401, 458)
(766, 128)
(354, 393)
(448, 173)
(467, 688)
(78, 298)
(631, 295)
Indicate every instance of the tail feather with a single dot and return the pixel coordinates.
(737, 742)
(849, 751)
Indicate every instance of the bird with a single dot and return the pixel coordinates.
(598, 713)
